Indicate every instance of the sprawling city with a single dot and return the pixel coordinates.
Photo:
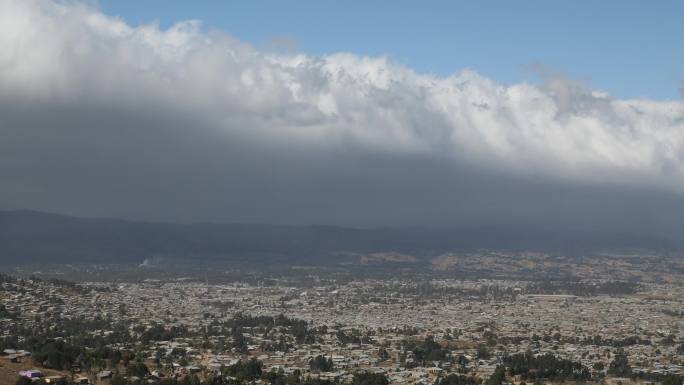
(313, 325)
(325, 192)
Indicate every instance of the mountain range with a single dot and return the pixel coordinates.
(38, 237)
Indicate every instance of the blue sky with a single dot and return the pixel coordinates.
(632, 49)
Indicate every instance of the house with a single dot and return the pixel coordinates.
(104, 374)
(435, 371)
(31, 373)
(54, 379)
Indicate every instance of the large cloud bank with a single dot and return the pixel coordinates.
(99, 116)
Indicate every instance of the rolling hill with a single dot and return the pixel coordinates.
(31, 237)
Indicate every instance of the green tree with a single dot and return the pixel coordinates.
(498, 376)
(672, 379)
(321, 364)
(368, 378)
(620, 367)
(118, 379)
(23, 381)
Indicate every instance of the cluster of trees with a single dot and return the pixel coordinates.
(235, 327)
(680, 349)
(52, 327)
(672, 379)
(577, 340)
(620, 367)
(279, 345)
(272, 378)
(82, 350)
(497, 377)
(529, 366)
(157, 332)
(137, 368)
(663, 379)
(429, 351)
(6, 313)
(364, 378)
(60, 343)
(58, 354)
(540, 367)
(457, 379)
(617, 343)
(321, 364)
(383, 354)
(369, 378)
(353, 337)
(243, 371)
(251, 370)
(298, 328)
(118, 379)
(483, 353)
(280, 378)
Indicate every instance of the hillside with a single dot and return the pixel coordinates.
(29, 236)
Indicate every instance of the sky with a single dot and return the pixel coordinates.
(627, 48)
(450, 115)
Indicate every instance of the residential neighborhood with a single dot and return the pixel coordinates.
(408, 331)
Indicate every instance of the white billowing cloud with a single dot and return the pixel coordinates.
(70, 53)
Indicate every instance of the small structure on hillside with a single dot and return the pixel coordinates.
(30, 373)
